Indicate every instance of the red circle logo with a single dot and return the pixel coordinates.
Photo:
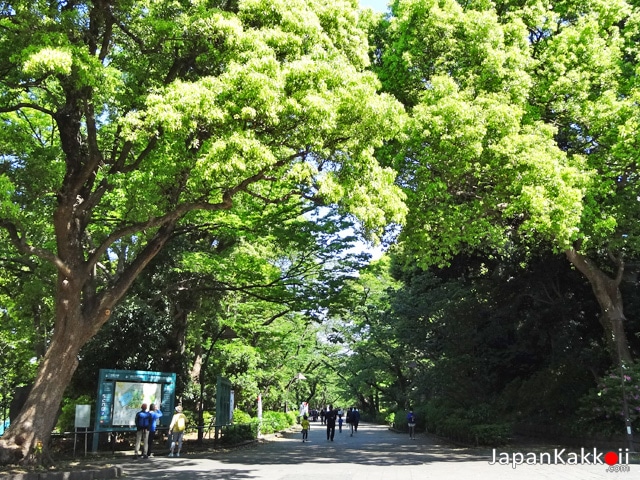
(611, 458)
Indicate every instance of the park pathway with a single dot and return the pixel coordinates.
(373, 453)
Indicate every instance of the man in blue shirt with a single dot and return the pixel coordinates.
(155, 413)
(411, 421)
(143, 423)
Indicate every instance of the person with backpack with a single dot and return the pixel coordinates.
(155, 413)
(143, 423)
(176, 430)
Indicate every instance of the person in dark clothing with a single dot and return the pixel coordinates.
(355, 420)
(330, 417)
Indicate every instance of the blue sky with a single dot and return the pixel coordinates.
(377, 5)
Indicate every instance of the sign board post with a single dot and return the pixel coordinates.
(259, 413)
(83, 420)
(223, 404)
(232, 401)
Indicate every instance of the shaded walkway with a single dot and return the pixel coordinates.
(372, 453)
(371, 445)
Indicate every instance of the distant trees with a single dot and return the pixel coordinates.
(480, 345)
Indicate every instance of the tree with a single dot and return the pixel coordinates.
(128, 123)
(523, 127)
(375, 368)
(269, 283)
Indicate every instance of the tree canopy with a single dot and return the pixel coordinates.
(130, 123)
(522, 118)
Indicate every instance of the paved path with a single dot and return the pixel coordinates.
(372, 453)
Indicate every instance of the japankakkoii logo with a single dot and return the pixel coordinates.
(616, 461)
(613, 459)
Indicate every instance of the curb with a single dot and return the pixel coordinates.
(94, 474)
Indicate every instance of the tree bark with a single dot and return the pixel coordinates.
(27, 439)
(174, 353)
(609, 297)
(80, 313)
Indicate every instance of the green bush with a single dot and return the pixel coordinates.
(550, 395)
(474, 426)
(238, 433)
(492, 435)
(292, 418)
(454, 427)
(240, 417)
(248, 426)
(400, 420)
(434, 413)
(601, 410)
(390, 418)
(207, 417)
(192, 419)
(276, 421)
(67, 419)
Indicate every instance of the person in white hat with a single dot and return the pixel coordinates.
(176, 430)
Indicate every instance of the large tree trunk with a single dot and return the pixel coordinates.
(80, 313)
(607, 292)
(27, 439)
(177, 339)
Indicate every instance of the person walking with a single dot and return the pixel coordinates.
(411, 422)
(340, 414)
(330, 419)
(155, 413)
(355, 420)
(350, 419)
(305, 428)
(142, 422)
(176, 430)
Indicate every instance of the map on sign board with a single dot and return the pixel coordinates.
(128, 398)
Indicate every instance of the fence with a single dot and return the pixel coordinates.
(121, 440)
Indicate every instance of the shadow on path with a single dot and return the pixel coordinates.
(371, 445)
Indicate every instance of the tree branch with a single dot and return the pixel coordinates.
(173, 216)
(23, 247)
(21, 105)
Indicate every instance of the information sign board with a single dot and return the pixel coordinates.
(122, 392)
